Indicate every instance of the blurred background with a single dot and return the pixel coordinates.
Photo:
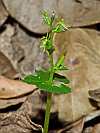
(21, 29)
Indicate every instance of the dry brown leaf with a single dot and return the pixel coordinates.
(13, 88)
(96, 128)
(6, 68)
(6, 103)
(76, 127)
(92, 115)
(74, 12)
(95, 96)
(3, 13)
(18, 121)
(83, 61)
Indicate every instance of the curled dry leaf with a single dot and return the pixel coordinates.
(92, 115)
(75, 127)
(13, 88)
(95, 95)
(6, 103)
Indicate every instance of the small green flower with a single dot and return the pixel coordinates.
(60, 26)
(46, 43)
(47, 19)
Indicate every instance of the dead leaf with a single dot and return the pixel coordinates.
(92, 115)
(5, 103)
(83, 61)
(96, 128)
(76, 127)
(18, 121)
(13, 88)
(95, 96)
(6, 68)
(3, 13)
(75, 13)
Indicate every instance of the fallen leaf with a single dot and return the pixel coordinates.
(92, 115)
(6, 103)
(3, 13)
(6, 67)
(95, 96)
(12, 88)
(76, 127)
(96, 128)
(83, 60)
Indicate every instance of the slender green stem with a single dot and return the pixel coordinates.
(49, 95)
(49, 99)
(47, 114)
(52, 71)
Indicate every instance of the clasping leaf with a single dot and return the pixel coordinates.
(41, 80)
(60, 63)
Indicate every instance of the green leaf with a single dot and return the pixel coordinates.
(29, 79)
(60, 64)
(43, 75)
(61, 89)
(39, 76)
(41, 80)
(61, 78)
(60, 61)
(60, 68)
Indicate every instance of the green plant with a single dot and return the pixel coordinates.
(49, 80)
